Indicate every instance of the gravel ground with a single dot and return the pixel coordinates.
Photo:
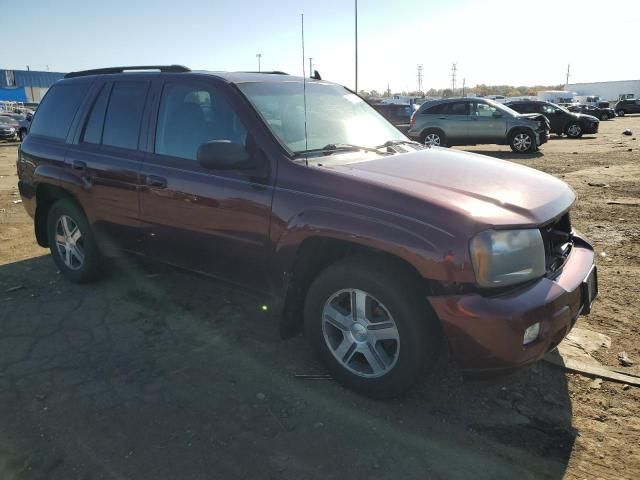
(154, 373)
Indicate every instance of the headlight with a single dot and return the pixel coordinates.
(507, 257)
(12, 130)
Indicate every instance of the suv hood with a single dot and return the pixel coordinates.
(490, 192)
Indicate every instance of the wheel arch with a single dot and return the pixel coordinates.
(46, 195)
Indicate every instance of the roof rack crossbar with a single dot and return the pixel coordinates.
(103, 71)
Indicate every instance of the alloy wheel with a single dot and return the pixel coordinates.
(432, 139)
(69, 242)
(522, 142)
(574, 130)
(360, 333)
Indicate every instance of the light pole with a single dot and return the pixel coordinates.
(258, 56)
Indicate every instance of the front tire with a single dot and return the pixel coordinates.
(620, 113)
(72, 242)
(522, 141)
(574, 130)
(371, 326)
(22, 134)
(604, 116)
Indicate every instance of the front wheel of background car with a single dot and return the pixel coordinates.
(620, 113)
(434, 138)
(522, 141)
(574, 130)
(22, 134)
(72, 242)
(371, 327)
(604, 116)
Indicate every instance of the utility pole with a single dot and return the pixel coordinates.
(464, 81)
(310, 66)
(568, 69)
(420, 78)
(356, 18)
(454, 69)
(258, 56)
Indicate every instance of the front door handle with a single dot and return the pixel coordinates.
(156, 182)
(79, 165)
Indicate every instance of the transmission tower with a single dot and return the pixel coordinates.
(454, 70)
(420, 78)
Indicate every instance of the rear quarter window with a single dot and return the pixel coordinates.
(57, 110)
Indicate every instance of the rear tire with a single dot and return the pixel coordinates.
(522, 141)
(72, 242)
(391, 342)
(574, 130)
(434, 138)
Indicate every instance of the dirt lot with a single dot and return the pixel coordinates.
(154, 373)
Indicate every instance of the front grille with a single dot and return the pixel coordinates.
(558, 242)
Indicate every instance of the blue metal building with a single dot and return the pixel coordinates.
(26, 85)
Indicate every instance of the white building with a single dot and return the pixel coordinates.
(609, 91)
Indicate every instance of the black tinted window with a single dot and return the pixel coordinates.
(57, 110)
(456, 108)
(435, 109)
(191, 115)
(122, 122)
(93, 128)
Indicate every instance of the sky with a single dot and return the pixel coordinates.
(493, 42)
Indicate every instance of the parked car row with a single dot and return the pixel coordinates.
(561, 120)
(471, 121)
(14, 126)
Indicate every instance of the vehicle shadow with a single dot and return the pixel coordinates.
(157, 373)
(509, 155)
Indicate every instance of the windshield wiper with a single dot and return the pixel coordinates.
(339, 147)
(391, 143)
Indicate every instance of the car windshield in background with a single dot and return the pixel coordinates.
(503, 108)
(335, 116)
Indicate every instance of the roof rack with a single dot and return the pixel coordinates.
(103, 71)
(274, 72)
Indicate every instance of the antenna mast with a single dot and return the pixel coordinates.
(304, 95)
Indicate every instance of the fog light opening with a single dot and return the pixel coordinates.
(531, 334)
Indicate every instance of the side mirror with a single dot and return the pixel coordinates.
(223, 155)
(558, 111)
(497, 114)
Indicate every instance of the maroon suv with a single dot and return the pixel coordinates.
(382, 249)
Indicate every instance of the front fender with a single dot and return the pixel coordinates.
(435, 253)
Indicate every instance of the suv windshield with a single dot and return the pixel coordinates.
(335, 116)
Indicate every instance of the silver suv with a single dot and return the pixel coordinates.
(472, 121)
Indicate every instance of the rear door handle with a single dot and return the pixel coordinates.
(156, 182)
(79, 165)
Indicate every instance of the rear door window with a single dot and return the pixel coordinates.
(124, 114)
(457, 108)
(57, 110)
(93, 129)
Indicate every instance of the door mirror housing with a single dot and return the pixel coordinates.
(223, 155)
(497, 114)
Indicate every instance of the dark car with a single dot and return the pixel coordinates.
(23, 121)
(9, 128)
(473, 121)
(562, 121)
(623, 107)
(383, 250)
(398, 114)
(598, 112)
